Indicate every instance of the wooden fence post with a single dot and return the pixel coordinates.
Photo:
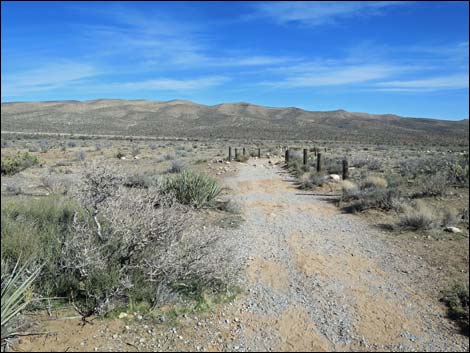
(236, 153)
(230, 153)
(318, 162)
(259, 152)
(287, 156)
(243, 151)
(345, 169)
(305, 156)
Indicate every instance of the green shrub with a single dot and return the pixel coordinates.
(189, 188)
(13, 164)
(33, 229)
(457, 301)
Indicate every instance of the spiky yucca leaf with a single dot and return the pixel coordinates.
(14, 290)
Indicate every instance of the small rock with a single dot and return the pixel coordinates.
(122, 315)
(453, 229)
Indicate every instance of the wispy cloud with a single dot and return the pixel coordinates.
(333, 72)
(455, 81)
(46, 78)
(169, 84)
(316, 13)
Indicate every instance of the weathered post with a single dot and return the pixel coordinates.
(243, 151)
(325, 149)
(315, 151)
(305, 156)
(287, 157)
(259, 152)
(236, 153)
(345, 169)
(318, 162)
(230, 153)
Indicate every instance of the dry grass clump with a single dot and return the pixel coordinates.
(418, 217)
(374, 182)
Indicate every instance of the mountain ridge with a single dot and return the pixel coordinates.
(225, 120)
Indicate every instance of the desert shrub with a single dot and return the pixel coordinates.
(230, 206)
(13, 164)
(153, 146)
(312, 181)
(98, 147)
(135, 151)
(190, 188)
(169, 156)
(457, 301)
(44, 145)
(332, 166)
(370, 198)
(417, 217)
(450, 218)
(458, 172)
(297, 168)
(32, 230)
(176, 167)
(242, 158)
(143, 181)
(33, 149)
(71, 144)
(80, 155)
(370, 164)
(434, 185)
(295, 155)
(54, 184)
(349, 190)
(119, 154)
(374, 182)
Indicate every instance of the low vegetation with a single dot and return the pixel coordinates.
(193, 189)
(457, 301)
(117, 244)
(13, 164)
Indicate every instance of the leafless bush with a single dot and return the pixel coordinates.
(138, 234)
(54, 185)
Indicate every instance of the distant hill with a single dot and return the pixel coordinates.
(179, 118)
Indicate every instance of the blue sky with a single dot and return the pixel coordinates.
(406, 58)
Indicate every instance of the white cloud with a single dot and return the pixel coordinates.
(315, 13)
(45, 78)
(330, 75)
(454, 81)
(158, 84)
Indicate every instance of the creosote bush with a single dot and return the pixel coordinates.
(13, 164)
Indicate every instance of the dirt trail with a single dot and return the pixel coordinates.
(315, 280)
(321, 280)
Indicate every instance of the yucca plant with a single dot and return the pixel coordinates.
(189, 188)
(15, 287)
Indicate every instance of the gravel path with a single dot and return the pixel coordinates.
(318, 279)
